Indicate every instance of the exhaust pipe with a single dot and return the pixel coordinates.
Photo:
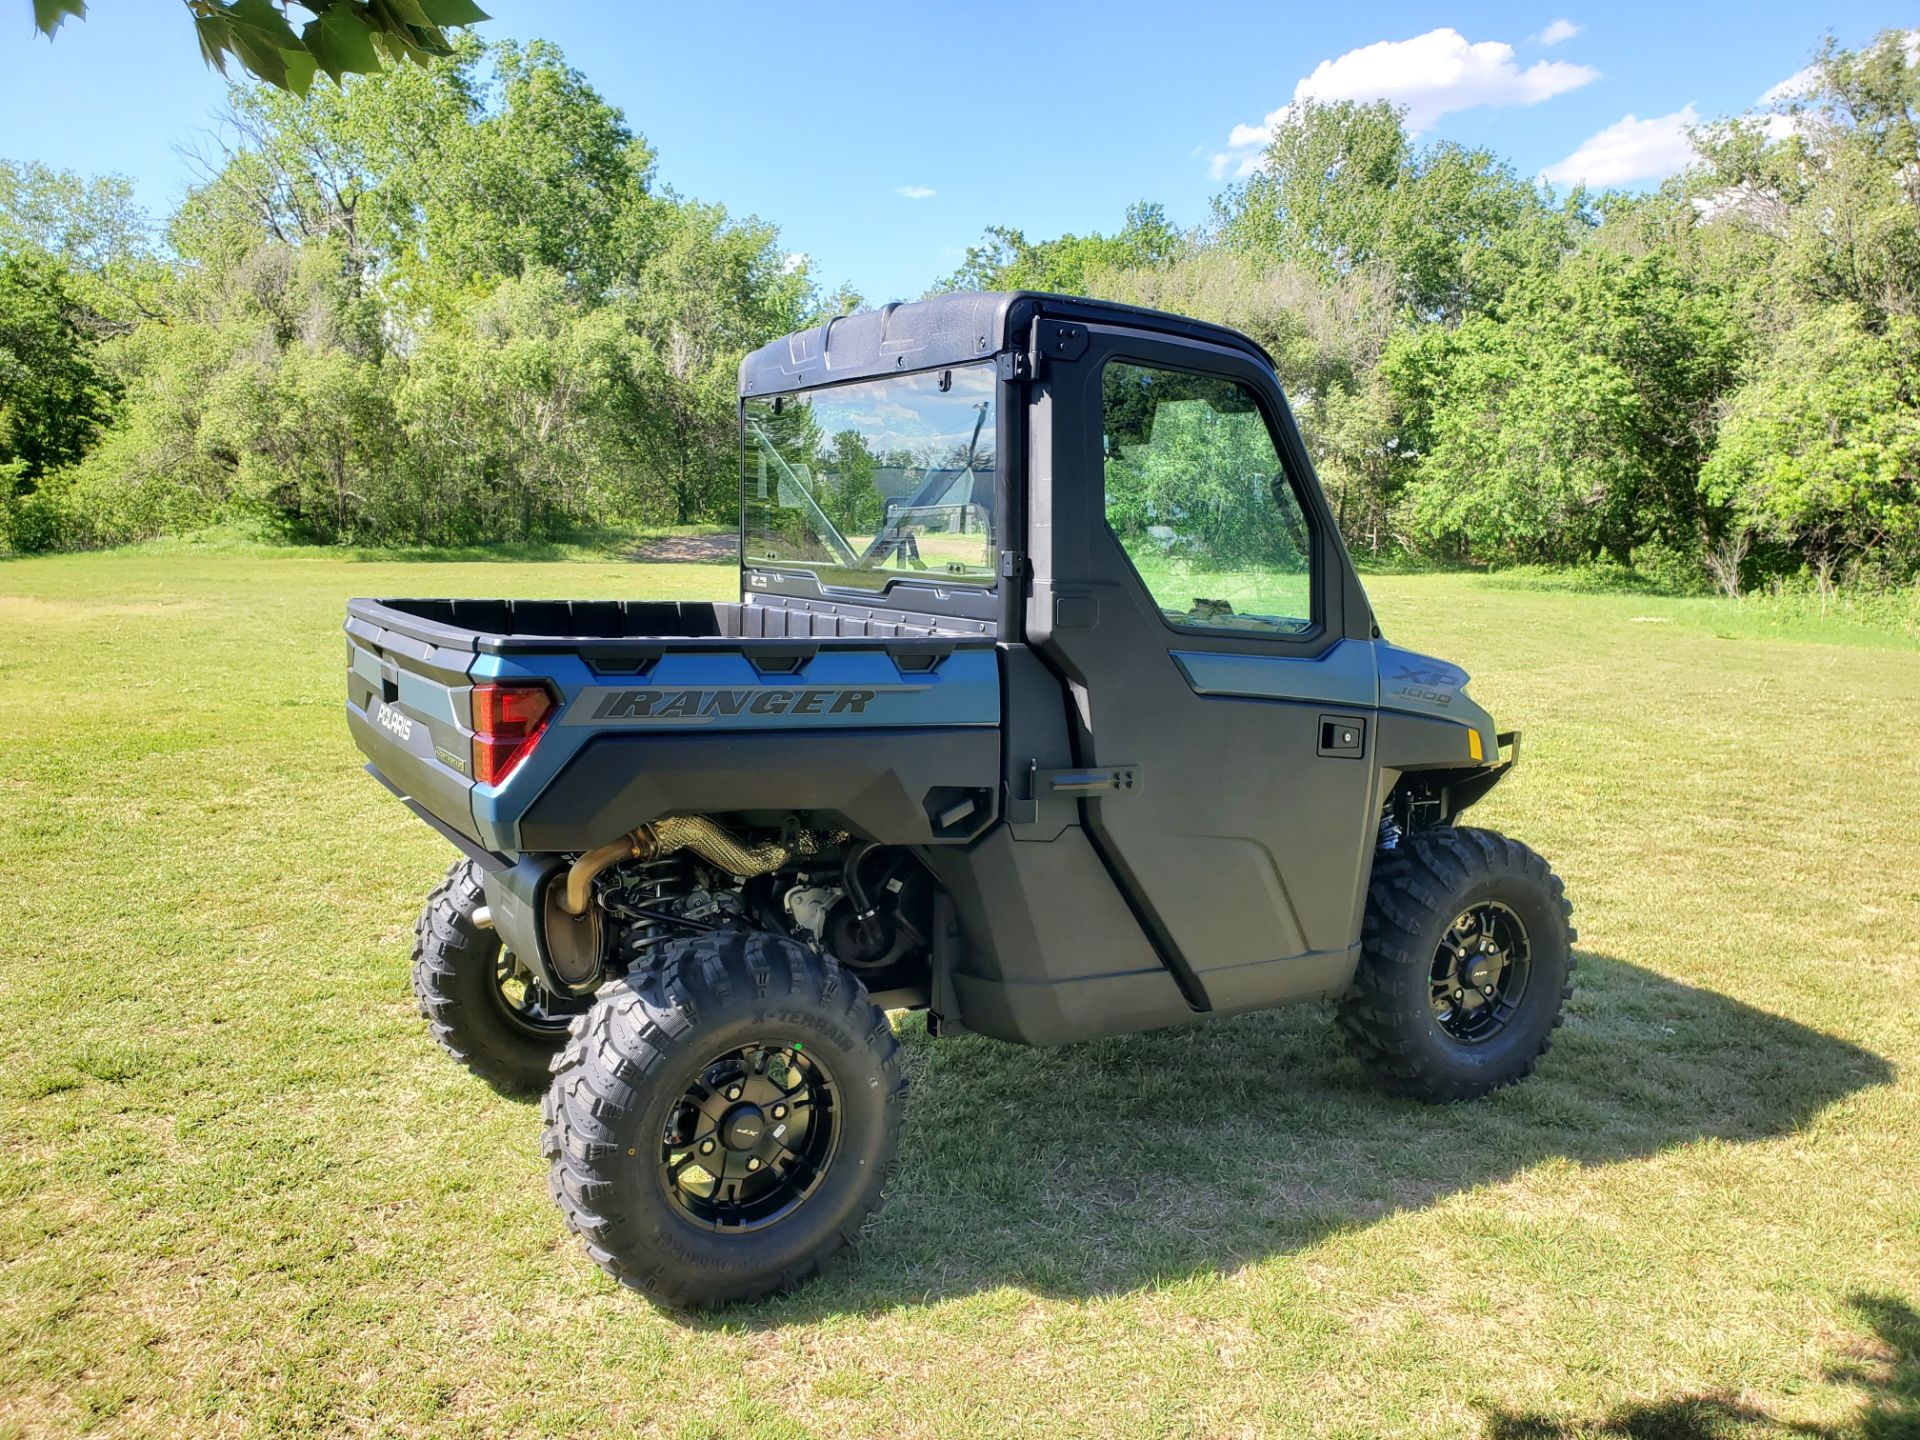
(682, 832)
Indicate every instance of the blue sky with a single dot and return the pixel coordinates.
(883, 137)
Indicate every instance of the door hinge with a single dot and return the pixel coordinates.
(1081, 782)
(1013, 565)
(1049, 340)
(1091, 781)
(1059, 340)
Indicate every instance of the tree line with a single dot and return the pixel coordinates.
(436, 304)
(1714, 384)
(451, 303)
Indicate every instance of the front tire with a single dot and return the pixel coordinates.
(724, 1119)
(1467, 961)
(484, 1007)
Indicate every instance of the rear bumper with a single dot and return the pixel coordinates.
(514, 888)
(486, 859)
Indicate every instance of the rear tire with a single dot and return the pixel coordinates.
(706, 1055)
(486, 1012)
(1467, 962)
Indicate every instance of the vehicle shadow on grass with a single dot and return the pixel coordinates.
(1102, 1168)
(1886, 1370)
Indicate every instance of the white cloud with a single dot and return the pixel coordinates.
(1634, 149)
(1793, 86)
(1431, 75)
(917, 192)
(793, 260)
(1558, 31)
(1629, 149)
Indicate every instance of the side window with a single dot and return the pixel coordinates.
(1199, 500)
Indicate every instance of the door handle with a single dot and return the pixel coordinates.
(1343, 736)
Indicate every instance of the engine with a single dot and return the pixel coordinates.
(867, 906)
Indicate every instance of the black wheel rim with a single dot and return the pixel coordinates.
(528, 1005)
(1480, 972)
(752, 1137)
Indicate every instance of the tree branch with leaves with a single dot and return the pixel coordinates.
(344, 37)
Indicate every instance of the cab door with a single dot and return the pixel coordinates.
(1191, 590)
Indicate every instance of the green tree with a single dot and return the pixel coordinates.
(506, 408)
(714, 289)
(1812, 219)
(92, 228)
(1575, 424)
(1825, 195)
(1343, 188)
(92, 225)
(852, 498)
(438, 304)
(497, 159)
(1006, 260)
(1820, 450)
(54, 397)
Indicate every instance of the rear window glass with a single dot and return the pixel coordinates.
(867, 483)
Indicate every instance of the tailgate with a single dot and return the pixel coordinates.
(410, 708)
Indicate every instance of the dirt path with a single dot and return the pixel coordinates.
(719, 545)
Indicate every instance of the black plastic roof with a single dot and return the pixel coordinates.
(944, 330)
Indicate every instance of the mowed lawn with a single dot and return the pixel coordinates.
(242, 1193)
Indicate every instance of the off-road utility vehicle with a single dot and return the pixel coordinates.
(1051, 705)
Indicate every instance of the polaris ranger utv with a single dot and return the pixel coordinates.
(1051, 705)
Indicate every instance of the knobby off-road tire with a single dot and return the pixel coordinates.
(508, 1041)
(1398, 1015)
(704, 1023)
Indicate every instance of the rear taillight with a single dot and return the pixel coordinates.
(507, 722)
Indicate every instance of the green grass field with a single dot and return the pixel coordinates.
(242, 1194)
